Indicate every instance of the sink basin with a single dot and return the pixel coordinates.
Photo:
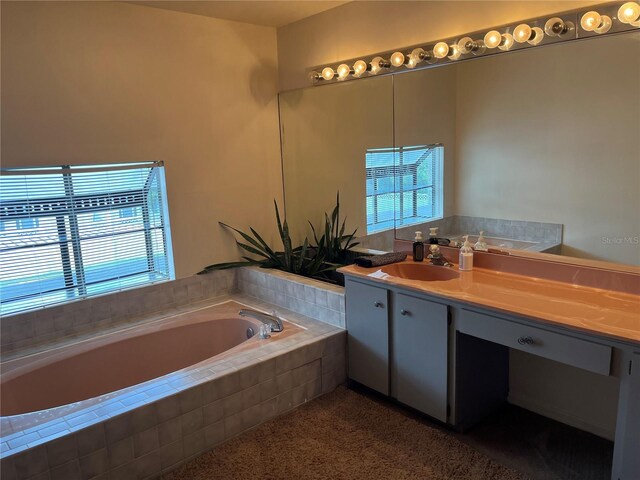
(424, 272)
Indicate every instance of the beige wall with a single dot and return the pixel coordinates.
(361, 28)
(425, 113)
(556, 143)
(355, 117)
(91, 82)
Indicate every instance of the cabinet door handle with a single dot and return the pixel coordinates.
(378, 305)
(525, 341)
(404, 312)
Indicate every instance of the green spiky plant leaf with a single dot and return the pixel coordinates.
(319, 261)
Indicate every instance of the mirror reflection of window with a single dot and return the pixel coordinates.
(407, 180)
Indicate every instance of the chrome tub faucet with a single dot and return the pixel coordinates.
(272, 320)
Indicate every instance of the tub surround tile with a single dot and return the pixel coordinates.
(120, 452)
(66, 471)
(312, 298)
(170, 431)
(91, 439)
(62, 450)
(145, 442)
(213, 412)
(168, 408)
(192, 421)
(144, 418)
(171, 454)
(197, 408)
(31, 462)
(194, 443)
(118, 428)
(190, 399)
(94, 464)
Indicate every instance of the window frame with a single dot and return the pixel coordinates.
(397, 171)
(66, 209)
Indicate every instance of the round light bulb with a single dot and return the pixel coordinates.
(507, 42)
(376, 65)
(397, 59)
(314, 77)
(327, 73)
(522, 33)
(478, 48)
(556, 27)
(537, 36)
(416, 56)
(629, 12)
(635, 24)
(455, 52)
(590, 21)
(465, 44)
(343, 71)
(605, 25)
(440, 50)
(493, 39)
(359, 68)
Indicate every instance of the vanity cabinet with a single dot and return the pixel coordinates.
(368, 335)
(446, 352)
(400, 351)
(419, 352)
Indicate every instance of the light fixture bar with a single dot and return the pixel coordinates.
(603, 19)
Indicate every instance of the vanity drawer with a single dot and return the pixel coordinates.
(537, 341)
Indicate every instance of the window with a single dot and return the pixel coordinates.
(404, 186)
(77, 231)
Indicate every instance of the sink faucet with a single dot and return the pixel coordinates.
(437, 258)
(272, 320)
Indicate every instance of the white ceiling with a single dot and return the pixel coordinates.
(268, 13)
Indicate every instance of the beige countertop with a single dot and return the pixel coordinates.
(602, 312)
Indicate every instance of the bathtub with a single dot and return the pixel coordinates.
(92, 371)
(141, 401)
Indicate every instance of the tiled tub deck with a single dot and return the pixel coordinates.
(142, 431)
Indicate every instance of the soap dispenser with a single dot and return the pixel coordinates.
(481, 244)
(418, 248)
(433, 236)
(465, 262)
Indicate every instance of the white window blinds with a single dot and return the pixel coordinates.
(74, 231)
(404, 186)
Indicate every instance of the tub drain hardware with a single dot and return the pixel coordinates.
(250, 332)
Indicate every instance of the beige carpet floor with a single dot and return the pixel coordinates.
(344, 435)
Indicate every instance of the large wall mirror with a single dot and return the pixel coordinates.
(538, 149)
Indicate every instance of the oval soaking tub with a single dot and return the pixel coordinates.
(129, 357)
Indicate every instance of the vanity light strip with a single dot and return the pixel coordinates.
(607, 18)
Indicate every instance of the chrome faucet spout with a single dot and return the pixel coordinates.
(272, 320)
(436, 257)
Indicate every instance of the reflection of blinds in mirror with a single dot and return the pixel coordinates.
(71, 232)
(404, 186)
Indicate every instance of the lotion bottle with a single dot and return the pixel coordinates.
(481, 245)
(465, 262)
(418, 248)
(433, 236)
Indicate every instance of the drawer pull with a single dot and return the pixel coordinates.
(404, 312)
(377, 305)
(525, 341)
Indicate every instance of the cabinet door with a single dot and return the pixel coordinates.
(420, 351)
(368, 335)
(626, 461)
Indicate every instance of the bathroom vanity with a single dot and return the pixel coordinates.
(440, 342)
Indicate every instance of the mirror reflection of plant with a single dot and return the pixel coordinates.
(329, 253)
